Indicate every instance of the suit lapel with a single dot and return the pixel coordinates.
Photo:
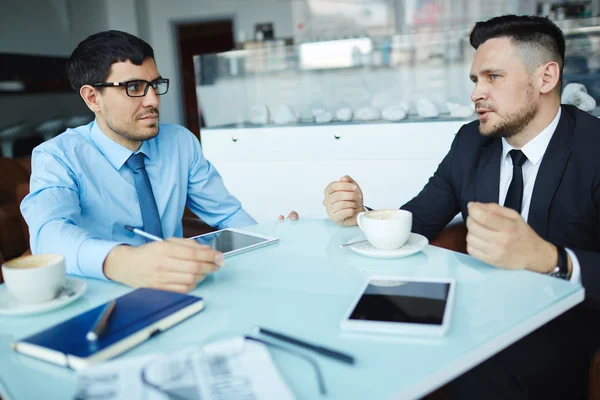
(487, 183)
(550, 174)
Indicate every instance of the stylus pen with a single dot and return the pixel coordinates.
(100, 324)
(316, 348)
(144, 234)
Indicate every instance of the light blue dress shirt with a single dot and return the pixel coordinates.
(82, 193)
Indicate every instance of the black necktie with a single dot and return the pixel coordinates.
(514, 196)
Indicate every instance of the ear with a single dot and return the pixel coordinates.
(550, 77)
(91, 97)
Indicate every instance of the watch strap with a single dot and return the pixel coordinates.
(562, 269)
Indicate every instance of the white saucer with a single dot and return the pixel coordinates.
(10, 306)
(414, 244)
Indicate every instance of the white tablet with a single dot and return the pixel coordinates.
(232, 241)
(403, 305)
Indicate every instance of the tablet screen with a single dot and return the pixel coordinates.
(226, 241)
(403, 301)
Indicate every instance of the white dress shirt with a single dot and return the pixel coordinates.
(534, 151)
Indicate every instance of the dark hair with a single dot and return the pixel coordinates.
(536, 31)
(92, 59)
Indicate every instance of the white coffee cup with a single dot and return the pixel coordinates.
(386, 229)
(35, 279)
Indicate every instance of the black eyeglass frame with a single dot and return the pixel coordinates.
(319, 374)
(154, 84)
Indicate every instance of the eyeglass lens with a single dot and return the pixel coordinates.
(140, 88)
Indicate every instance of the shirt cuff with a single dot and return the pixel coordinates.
(91, 256)
(576, 273)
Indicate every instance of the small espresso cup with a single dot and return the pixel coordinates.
(35, 279)
(386, 229)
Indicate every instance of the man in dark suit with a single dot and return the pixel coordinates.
(541, 161)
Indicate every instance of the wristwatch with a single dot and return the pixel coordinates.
(561, 271)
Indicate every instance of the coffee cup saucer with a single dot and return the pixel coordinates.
(74, 288)
(414, 244)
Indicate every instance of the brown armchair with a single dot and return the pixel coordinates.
(194, 226)
(1, 262)
(452, 237)
(13, 239)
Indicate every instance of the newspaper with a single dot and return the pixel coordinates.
(230, 369)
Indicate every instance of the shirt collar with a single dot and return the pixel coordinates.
(534, 149)
(116, 154)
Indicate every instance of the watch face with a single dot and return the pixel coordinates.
(558, 274)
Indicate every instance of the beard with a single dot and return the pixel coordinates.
(133, 131)
(514, 122)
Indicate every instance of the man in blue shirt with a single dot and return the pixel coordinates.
(125, 168)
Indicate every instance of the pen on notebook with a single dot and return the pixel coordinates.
(319, 349)
(142, 233)
(100, 324)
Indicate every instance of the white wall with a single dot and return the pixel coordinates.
(86, 17)
(47, 27)
(34, 26)
(161, 16)
(122, 15)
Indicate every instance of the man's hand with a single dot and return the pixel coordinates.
(500, 236)
(343, 201)
(175, 264)
(293, 216)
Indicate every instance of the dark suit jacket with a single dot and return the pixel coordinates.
(565, 205)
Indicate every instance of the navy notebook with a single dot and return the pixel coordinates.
(136, 317)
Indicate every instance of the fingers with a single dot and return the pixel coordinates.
(486, 215)
(477, 244)
(340, 186)
(497, 209)
(478, 254)
(503, 211)
(184, 249)
(341, 216)
(294, 216)
(344, 196)
(190, 267)
(343, 205)
(347, 178)
(474, 228)
(171, 287)
(187, 242)
(181, 276)
(183, 279)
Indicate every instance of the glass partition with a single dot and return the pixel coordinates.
(420, 76)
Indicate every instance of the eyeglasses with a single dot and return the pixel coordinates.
(139, 87)
(174, 377)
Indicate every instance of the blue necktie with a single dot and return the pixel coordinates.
(148, 207)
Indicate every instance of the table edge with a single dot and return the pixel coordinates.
(489, 349)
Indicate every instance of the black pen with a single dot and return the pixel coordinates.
(100, 324)
(316, 348)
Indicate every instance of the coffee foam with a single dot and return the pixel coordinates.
(28, 262)
(381, 214)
